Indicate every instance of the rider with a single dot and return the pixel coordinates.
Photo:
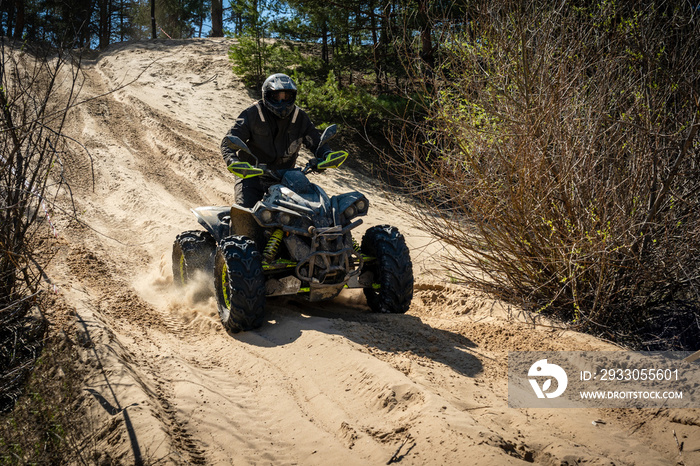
(274, 129)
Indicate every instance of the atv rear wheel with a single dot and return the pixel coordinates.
(239, 284)
(392, 285)
(192, 250)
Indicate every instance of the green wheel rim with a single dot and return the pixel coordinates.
(224, 288)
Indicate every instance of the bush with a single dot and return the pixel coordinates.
(564, 161)
(32, 113)
(350, 104)
(254, 59)
(321, 92)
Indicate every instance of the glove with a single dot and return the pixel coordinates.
(313, 163)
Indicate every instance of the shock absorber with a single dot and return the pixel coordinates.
(273, 245)
(357, 258)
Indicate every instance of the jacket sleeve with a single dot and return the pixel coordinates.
(241, 129)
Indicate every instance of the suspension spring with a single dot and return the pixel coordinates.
(355, 245)
(273, 245)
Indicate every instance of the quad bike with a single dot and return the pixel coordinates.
(295, 241)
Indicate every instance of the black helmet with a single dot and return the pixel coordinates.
(272, 88)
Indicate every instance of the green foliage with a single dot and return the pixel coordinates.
(254, 56)
(253, 60)
(319, 90)
(329, 102)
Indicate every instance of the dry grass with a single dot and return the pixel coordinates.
(47, 421)
(560, 156)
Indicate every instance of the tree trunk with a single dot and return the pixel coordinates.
(217, 18)
(426, 33)
(324, 44)
(375, 46)
(19, 20)
(104, 24)
(153, 19)
(121, 22)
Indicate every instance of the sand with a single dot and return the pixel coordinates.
(319, 383)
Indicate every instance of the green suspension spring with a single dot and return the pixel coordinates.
(273, 245)
(355, 245)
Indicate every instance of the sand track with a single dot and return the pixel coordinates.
(325, 383)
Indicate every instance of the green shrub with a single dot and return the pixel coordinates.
(351, 104)
(320, 91)
(254, 59)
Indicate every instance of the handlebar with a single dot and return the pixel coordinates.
(246, 170)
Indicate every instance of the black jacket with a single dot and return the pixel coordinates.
(274, 141)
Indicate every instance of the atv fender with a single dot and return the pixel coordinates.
(214, 219)
(243, 223)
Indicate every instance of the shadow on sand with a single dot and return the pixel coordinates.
(391, 333)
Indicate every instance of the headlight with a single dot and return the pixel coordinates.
(359, 207)
(284, 218)
(266, 216)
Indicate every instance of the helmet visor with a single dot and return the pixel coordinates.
(282, 96)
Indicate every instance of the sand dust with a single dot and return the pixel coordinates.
(323, 383)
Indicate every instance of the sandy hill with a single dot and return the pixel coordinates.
(322, 384)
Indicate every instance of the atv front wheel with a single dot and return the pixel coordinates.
(392, 284)
(192, 250)
(239, 284)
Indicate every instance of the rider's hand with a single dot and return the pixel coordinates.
(313, 163)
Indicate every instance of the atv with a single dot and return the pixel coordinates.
(295, 241)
